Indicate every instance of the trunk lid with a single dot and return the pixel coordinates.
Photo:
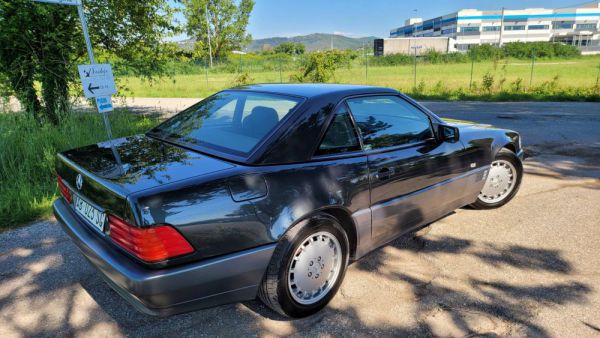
(112, 170)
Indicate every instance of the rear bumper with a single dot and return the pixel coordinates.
(521, 154)
(211, 282)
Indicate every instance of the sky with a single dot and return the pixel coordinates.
(357, 18)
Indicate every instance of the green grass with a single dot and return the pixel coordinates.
(27, 155)
(576, 80)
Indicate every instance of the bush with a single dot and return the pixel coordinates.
(435, 57)
(242, 79)
(523, 50)
(485, 52)
(391, 60)
(28, 153)
(487, 83)
(321, 66)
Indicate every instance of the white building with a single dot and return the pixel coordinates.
(576, 26)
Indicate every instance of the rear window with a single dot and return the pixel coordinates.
(231, 122)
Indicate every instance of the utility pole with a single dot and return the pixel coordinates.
(208, 35)
(501, 28)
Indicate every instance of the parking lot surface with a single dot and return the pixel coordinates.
(530, 268)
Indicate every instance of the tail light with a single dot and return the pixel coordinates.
(65, 192)
(151, 244)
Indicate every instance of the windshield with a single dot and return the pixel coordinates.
(232, 122)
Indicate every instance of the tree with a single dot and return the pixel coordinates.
(227, 24)
(43, 43)
(290, 48)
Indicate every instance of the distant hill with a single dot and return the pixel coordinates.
(312, 42)
(316, 41)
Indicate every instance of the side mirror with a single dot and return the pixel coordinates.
(448, 133)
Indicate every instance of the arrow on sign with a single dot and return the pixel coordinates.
(97, 80)
(91, 89)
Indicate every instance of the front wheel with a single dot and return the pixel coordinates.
(307, 268)
(503, 181)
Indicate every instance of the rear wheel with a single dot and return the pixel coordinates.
(503, 181)
(307, 268)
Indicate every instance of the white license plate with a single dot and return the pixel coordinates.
(96, 217)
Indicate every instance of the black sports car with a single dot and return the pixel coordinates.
(270, 191)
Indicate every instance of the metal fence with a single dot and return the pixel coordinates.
(414, 75)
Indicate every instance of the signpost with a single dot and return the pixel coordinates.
(104, 104)
(98, 86)
(97, 80)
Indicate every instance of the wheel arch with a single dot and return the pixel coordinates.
(345, 219)
(505, 140)
(341, 215)
(510, 146)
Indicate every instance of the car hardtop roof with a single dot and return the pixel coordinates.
(310, 90)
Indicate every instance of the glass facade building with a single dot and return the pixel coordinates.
(578, 26)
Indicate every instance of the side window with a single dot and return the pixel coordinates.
(386, 121)
(340, 136)
(225, 113)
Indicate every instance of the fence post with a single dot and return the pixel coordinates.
(598, 77)
(366, 66)
(531, 73)
(415, 71)
(471, 79)
(206, 73)
(280, 76)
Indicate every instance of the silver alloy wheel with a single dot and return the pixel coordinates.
(500, 182)
(315, 268)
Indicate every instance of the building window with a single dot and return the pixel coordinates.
(515, 28)
(491, 28)
(538, 27)
(562, 25)
(448, 31)
(469, 29)
(589, 26)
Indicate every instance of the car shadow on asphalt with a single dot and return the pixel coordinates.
(55, 276)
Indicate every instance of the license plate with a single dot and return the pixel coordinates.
(96, 217)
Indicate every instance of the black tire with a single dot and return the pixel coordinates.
(507, 155)
(274, 291)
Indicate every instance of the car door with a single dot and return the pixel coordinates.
(407, 164)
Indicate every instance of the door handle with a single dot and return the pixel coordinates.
(384, 174)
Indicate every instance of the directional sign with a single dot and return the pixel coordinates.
(97, 80)
(104, 104)
(62, 2)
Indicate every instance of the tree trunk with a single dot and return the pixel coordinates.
(22, 82)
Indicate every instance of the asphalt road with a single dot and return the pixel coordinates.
(530, 268)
